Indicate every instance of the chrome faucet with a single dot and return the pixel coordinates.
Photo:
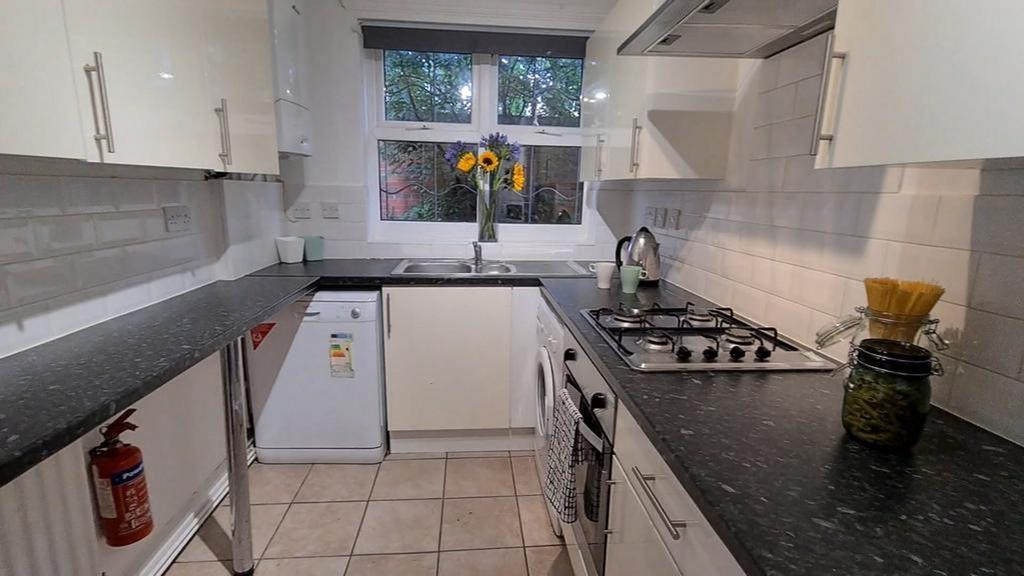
(478, 258)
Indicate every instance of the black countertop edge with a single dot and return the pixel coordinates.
(56, 392)
(739, 551)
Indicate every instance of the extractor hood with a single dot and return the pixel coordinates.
(729, 28)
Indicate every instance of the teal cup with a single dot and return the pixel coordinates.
(314, 248)
(631, 277)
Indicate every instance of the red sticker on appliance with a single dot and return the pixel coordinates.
(259, 333)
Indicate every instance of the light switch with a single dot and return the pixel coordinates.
(659, 218)
(178, 218)
(330, 211)
(301, 211)
(672, 221)
(649, 215)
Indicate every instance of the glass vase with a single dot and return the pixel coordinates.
(486, 210)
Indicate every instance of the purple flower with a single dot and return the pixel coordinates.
(455, 151)
(500, 145)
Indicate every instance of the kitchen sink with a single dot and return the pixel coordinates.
(434, 268)
(495, 268)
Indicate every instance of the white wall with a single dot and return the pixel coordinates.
(337, 173)
(789, 246)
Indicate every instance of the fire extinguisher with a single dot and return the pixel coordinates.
(119, 481)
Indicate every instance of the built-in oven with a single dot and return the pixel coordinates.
(596, 403)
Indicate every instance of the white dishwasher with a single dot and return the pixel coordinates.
(317, 386)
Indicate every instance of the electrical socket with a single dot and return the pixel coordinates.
(659, 218)
(672, 221)
(650, 213)
(178, 218)
(330, 210)
(301, 211)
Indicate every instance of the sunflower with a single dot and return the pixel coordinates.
(489, 160)
(518, 177)
(466, 162)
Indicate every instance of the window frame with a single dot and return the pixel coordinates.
(483, 120)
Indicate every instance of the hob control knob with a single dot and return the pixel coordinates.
(684, 354)
(599, 401)
(710, 353)
(762, 353)
(737, 353)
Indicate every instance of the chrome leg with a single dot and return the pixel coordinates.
(232, 358)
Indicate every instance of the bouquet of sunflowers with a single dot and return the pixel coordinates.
(494, 166)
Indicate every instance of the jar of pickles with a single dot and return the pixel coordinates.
(888, 392)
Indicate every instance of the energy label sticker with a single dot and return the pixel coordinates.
(341, 356)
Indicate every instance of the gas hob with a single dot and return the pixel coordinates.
(658, 339)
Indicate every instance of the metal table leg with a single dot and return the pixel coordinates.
(232, 358)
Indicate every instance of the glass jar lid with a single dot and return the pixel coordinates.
(894, 357)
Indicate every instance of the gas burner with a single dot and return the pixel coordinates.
(656, 341)
(739, 337)
(632, 316)
(699, 318)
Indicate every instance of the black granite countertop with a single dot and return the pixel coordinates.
(54, 393)
(766, 459)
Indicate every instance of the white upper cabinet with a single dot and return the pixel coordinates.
(37, 95)
(145, 91)
(240, 98)
(924, 81)
(653, 117)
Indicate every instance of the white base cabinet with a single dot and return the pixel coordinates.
(446, 357)
(924, 81)
(634, 546)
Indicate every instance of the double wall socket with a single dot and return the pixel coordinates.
(301, 211)
(330, 210)
(672, 221)
(178, 218)
(650, 215)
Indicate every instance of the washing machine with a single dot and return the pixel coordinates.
(551, 338)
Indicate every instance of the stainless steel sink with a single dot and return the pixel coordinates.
(439, 267)
(495, 268)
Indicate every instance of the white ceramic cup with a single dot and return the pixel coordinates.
(604, 271)
(290, 248)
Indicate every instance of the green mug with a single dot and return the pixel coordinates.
(631, 277)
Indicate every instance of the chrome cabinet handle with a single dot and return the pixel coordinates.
(387, 309)
(599, 161)
(225, 131)
(107, 132)
(310, 314)
(634, 145)
(672, 525)
(826, 79)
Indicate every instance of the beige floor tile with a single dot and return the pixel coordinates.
(400, 526)
(474, 523)
(213, 541)
(492, 454)
(337, 483)
(328, 566)
(199, 569)
(548, 561)
(275, 483)
(537, 530)
(478, 477)
(409, 480)
(500, 562)
(416, 456)
(393, 565)
(318, 529)
(525, 471)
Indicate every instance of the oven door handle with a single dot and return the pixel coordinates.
(593, 437)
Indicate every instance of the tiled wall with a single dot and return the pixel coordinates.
(76, 250)
(789, 245)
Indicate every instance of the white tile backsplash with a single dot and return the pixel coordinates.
(795, 245)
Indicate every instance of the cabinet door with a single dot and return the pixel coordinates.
(40, 109)
(924, 81)
(446, 357)
(154, 79)
(634, 546)
(237, 55)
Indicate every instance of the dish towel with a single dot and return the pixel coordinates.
(564, 453)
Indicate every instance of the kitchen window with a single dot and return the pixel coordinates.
(422, 102)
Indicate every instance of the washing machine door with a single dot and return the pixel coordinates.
(545, 402)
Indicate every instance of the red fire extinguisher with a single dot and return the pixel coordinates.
(120, 484)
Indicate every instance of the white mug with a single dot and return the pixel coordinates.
(604, 271)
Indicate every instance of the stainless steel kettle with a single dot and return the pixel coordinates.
(642, 251)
